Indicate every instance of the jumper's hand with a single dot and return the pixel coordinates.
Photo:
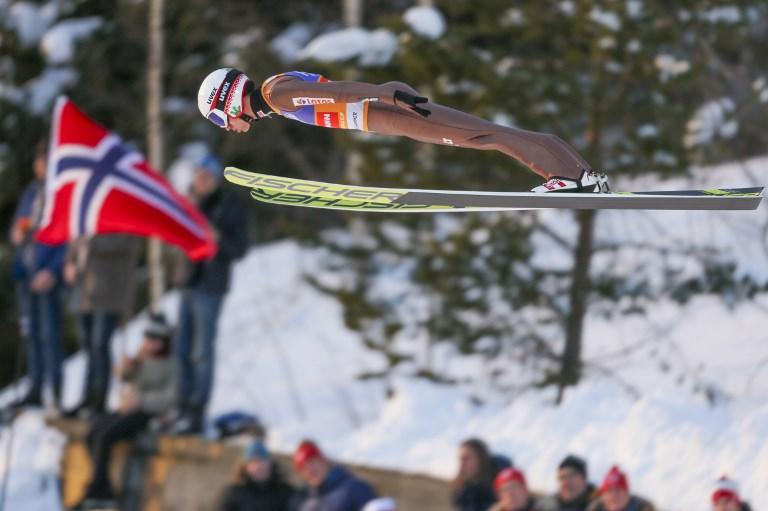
(411, 101)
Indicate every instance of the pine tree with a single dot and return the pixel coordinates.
(620, 81)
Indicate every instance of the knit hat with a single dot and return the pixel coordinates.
(508, 475)
(575, 463)
(726, 489)
(306, 451)
(158, 328)
(382, 504)
(211, 164)
(256, 450)
(615, 478)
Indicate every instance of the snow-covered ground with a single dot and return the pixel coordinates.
(284, 353)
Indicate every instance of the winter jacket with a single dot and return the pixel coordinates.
(105, 264)
(341, 491)
(635, 504)
(155, 383)
(229, 219)
(531, 506)
(474, 497)
(249, 495)
(580, 503)
(32, 256)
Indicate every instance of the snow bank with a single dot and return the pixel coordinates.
(288, 43)
(30, 21)
(727, 14)
(285, 354)
(370, 48)
(58, 44)
(42, 90)
(606, 19)
(11, 93)
(426, 21)
(33, 483)
(711, 121)
(669, 66)
(672, 448)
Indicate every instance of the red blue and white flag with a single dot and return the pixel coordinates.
(96, 184)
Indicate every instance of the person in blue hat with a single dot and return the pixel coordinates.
(259, 486)
(204, 284)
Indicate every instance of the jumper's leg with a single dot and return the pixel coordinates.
(545, 154)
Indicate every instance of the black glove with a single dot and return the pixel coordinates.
(411, 100)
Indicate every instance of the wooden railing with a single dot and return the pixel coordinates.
(166, 473)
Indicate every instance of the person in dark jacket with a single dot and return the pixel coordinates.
(574, 490)
(615, 495)
(259, 485)
(101, 271)
(203, 289)
(329, 486)
(512, 490)
(473, 484)
(37, 273)
(149, 392)
(726, 496)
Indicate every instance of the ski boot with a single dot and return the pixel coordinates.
(590, 181)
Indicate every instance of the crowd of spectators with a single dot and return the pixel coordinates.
(482, 484)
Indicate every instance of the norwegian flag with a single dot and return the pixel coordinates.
(96, 184)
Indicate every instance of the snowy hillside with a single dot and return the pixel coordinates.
(285, 354)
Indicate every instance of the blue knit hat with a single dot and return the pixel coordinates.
(257, 450)
(211, 165)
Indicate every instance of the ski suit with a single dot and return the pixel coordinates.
(313, 99)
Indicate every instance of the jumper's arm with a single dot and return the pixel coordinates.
(290, 93)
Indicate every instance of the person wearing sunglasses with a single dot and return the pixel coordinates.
(232, 101)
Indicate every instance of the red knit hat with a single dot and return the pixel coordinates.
(726, 489)
(307, 450)
(615, 478)
(508, 475)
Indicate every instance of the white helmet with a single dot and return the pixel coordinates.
(222, 94)
(382, 504)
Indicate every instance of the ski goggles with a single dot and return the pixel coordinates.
(220, 119)
(217, 114)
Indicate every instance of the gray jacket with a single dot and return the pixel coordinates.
(155, 382)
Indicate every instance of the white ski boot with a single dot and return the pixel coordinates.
(590, 181)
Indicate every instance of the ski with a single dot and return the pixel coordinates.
(274, 196)
(301, 192)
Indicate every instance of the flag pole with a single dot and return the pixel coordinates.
(155, 137)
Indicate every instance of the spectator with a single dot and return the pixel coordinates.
(100, 268)
(615, 496)
(726, 496)
(574, 490)
(382, 504)
(259, 485)
(329, 486)
(37, 272)
(473, 485)
(204, 286)
(150, 392)
(512, 492)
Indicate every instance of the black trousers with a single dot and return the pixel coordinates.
(96, 329)
(106, 431)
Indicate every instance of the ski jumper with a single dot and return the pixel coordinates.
(313, 99)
